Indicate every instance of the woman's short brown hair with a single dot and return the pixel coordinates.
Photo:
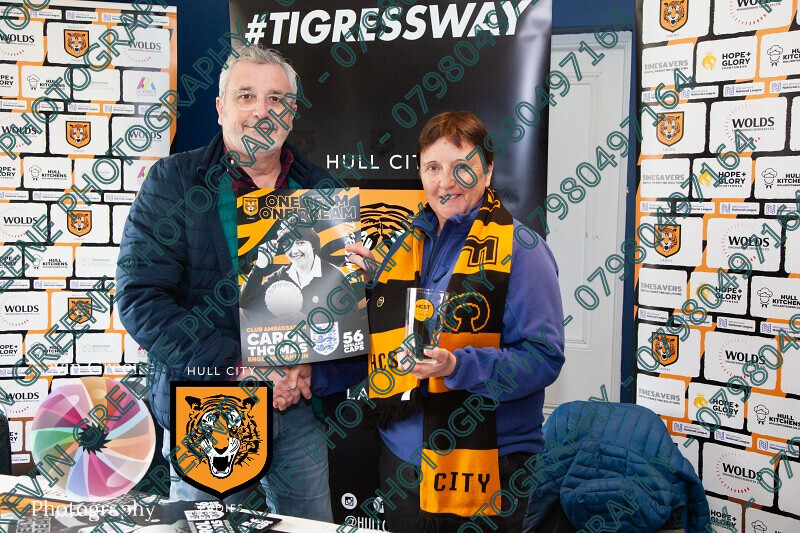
(457, 127)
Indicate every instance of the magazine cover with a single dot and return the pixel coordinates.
(300, 299)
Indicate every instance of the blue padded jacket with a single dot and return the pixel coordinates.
(616, 462)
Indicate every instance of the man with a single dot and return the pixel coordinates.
(180, 302)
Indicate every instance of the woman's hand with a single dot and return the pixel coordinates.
(441, 364)
(357, 254)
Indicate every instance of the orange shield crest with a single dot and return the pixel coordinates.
(79, 309)
(250, 206)
(76, 42)
(674, 14)
(669, 240)
(665, 346)
(79, 223)
(225, 431)
(79, 133)
(670, 130)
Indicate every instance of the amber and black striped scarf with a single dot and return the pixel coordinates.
(476, 319)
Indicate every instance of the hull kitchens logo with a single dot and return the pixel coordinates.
(779, 56)
(788, 301)
(674, 14)
(227, 431)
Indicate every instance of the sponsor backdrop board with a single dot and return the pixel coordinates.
(718, 196)
(63, 166)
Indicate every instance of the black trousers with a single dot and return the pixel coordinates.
(405, 518)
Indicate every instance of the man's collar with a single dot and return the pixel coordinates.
(245, 180)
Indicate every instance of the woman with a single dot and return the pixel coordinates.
(305, 283)
(473, 415)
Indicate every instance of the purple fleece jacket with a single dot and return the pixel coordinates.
(533, 313)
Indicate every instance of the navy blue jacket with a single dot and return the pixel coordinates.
(601, 455)
(173, 256)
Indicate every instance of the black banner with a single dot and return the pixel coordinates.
(392, 79)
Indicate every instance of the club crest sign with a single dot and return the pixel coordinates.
(674, 14)
(79, 309)
(665, 346)
(668, 240)
(250, 206)
(79, 133)
(670, 130)
(76, 42)
(79, 223)
(226, 430)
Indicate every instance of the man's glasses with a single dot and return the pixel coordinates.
(247, 101)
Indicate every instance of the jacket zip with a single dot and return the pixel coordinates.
(437, 249)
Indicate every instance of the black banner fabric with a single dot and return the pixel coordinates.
(391, 80)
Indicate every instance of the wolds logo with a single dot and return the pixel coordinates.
(674, 14)
(228, 431)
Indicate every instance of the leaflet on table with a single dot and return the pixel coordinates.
(296, 276)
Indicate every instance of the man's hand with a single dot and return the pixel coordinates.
(288, 389)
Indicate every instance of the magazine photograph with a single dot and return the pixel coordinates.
(301, 301)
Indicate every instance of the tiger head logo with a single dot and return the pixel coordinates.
(225, 427)
(669, 240)
(79, 223)
(250, 206)
(79, 133)
(79, 309)
(670, 130)
(673, 14)
(76, 42)
(225, 433)
(381, 221)
(666, 348)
